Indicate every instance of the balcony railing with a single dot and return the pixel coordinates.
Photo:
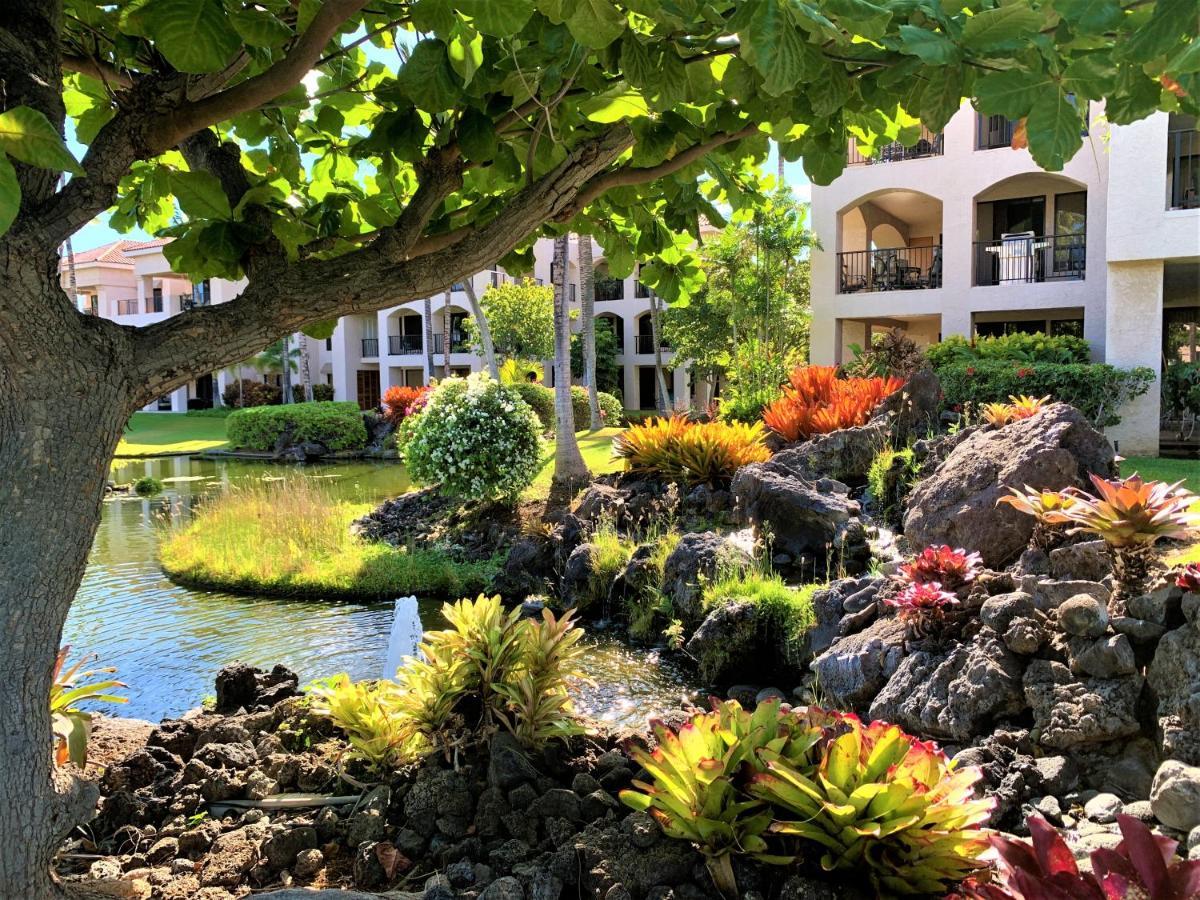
(400, 344)
(1030, 258)
(928, 144)
(900, 269)
(992, 132)
(127, 307)
(458, 343)
(644, 343)
(370, 346)
(609, 289)
(1183, 169)
(641, 291)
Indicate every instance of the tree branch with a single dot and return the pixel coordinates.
(98, 69)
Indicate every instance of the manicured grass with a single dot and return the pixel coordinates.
(164, 434)
(596, 447)
(1170, 470)
(291, 539)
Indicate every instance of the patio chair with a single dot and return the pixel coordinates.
(933, 278)
(852, 283)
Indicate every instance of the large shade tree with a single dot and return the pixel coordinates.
(338, 181)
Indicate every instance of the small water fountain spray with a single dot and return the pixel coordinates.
(405, 635)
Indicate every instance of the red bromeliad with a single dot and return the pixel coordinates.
(950, 567)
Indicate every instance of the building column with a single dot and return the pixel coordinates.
(179, 399)
(851, 332)
(223, 379)
(1133, 330)
(956, 320)
(345, 372)
(385, 370)
(825, 340)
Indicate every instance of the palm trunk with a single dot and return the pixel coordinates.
(305, 370)
(285, 363)
(587, 288)
(664, 397)
(428, 340)
(569, 468)
(485, 331)
(446, 335)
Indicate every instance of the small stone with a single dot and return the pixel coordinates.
(584, 783)
(162, 851)
(506, 888)
(461, 874)
(1058, 774)
(282, 849)
(1106, 658)
(308, 863)
(1083, 615)
(1193, 838)
(769, 693)
(1049, 808)
(1088, 560)
(999, 611)
(643, 831)
(1024, 636)
(1157, 605)
(1139, 809)
(1191, 608)
(1103, 808)
(1140, 630)
(1175, 795)
(745, 694)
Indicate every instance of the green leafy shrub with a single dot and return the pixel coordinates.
(1097, 390)
(893, 353)
(610, 553)
(756, 376)
(215, 412)
(890, 479)
(147, 486)
(489, 668)
(69, 688)
(339, 426)
(322, 393)
(477, 439)
(1062, 349)
(540, 399)
(1181, 389)
(250, 393)
(611, 411)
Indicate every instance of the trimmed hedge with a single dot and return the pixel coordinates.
(1097, 390)
(250, 394)
(1062, 349)
(610, 408)
(540, 399)
(339, 426)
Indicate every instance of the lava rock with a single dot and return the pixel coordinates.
(240, 686)
(695, 560)
(1083, 616)
(308, 863)
(855, 668)
(1103, 808)
(369, 822)
(1174, 674)
(998, 611)
(727, 645)
(282, 849)
(1175, 795)
(1087, 560)
(231, 856)
(1106, 657)
(1069, 712)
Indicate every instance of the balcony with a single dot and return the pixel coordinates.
(928, 144)
(370, 347)
(1183, 164)
(896, 269)
(127, 307)
(609, 289)
(1029, 258)
(400, 344)
(644, 343)
(993, 132)
(458, 343)
(641, 291)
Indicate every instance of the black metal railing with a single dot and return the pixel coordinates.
(644, 343)
(609, 289)
(370, 346)
(992, 132)
(928, 144)
(900, 269)
(1030, 258)
(1183, 169)
(458, 343)
(641, 291)
(399, 344)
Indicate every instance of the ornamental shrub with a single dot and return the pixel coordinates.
(251, 393)
(1181, 389)
(402, 401)
(611, 410)
(540, 399)
(322, 393)
(679, 449)
(1096, 389)
(339, 426)
(477, 439)
(817, 401)
(1062, 349)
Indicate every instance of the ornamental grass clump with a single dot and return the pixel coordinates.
(475, 439)
(816, 401)
(679, 449)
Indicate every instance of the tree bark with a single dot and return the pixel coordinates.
(446, 335)
(587, 300)
(664, 397)
(285, 363)
(485, 330)
(569, 468)
(428, 339)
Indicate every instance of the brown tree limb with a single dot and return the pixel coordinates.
(100, 70)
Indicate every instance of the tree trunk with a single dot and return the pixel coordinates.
(285, 363)
(63, 405)
(485, 331)
(305, 369)
(446, 335)
(428, 340)
(569, 467)
(664, 397)
(587, 300)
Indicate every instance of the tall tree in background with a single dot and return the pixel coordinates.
(662, 397)
(587, 314)
(520, 319)
(480, 320)
(387, 181)
(569, 467)
(427, 338)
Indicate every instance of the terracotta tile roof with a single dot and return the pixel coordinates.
(115, 251)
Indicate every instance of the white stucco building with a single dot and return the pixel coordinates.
(962, 235)
(131, 282)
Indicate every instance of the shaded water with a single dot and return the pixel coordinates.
(168, 642)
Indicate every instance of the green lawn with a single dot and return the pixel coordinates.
(163, 434)
(1169, 470)
(596, 447)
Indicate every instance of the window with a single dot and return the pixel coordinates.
(127, 307)
(329, 343)
(156, 300)
(1072, 327)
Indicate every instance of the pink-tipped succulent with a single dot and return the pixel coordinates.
(949, 567)
(922, 602)
(1188, 578)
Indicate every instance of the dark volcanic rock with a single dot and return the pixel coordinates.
(696, 558)
(240, 686)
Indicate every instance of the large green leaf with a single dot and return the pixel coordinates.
(194, 35)
(28, 136)
(428, 79)
(10, 194)
(860, 16)
(1004, 26)
(1053, 128)
(1090, 16)
(1169, 26)
(200, 195)
(500, 18)
(614, 105)
(931, 46)
(776, 47)
(259, 28)
(1011, 93)
(595, 23)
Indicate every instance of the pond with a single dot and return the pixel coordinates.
(168, 642)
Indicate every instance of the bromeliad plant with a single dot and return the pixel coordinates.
(679, 449)
(1188, 578)
(367, 712)
(881, 801)
(69, 688)
(922, 606)
(816, 401)
(1048, 509)
(1142, 867)
(951, 568)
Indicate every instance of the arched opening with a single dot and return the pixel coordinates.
(644, 338)
(616, 325)
(890, 240)
(1029, 228)
(449, 320)
(406, 333)
(607, 288)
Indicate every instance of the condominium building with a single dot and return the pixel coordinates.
(131, 282)
(963, 235)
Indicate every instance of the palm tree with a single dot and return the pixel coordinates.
(305, 370)
(428, 339)
(587, 290)
(663, 398)
(446, 335)
(272, 360)
(569, 467)
(485, 332)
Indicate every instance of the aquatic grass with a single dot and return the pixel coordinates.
(646, 604)
(610, 553)
(782, 606)
(291, 538)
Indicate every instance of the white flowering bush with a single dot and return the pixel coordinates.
(476, 438)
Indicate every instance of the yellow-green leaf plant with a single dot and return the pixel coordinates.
(70, 687)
